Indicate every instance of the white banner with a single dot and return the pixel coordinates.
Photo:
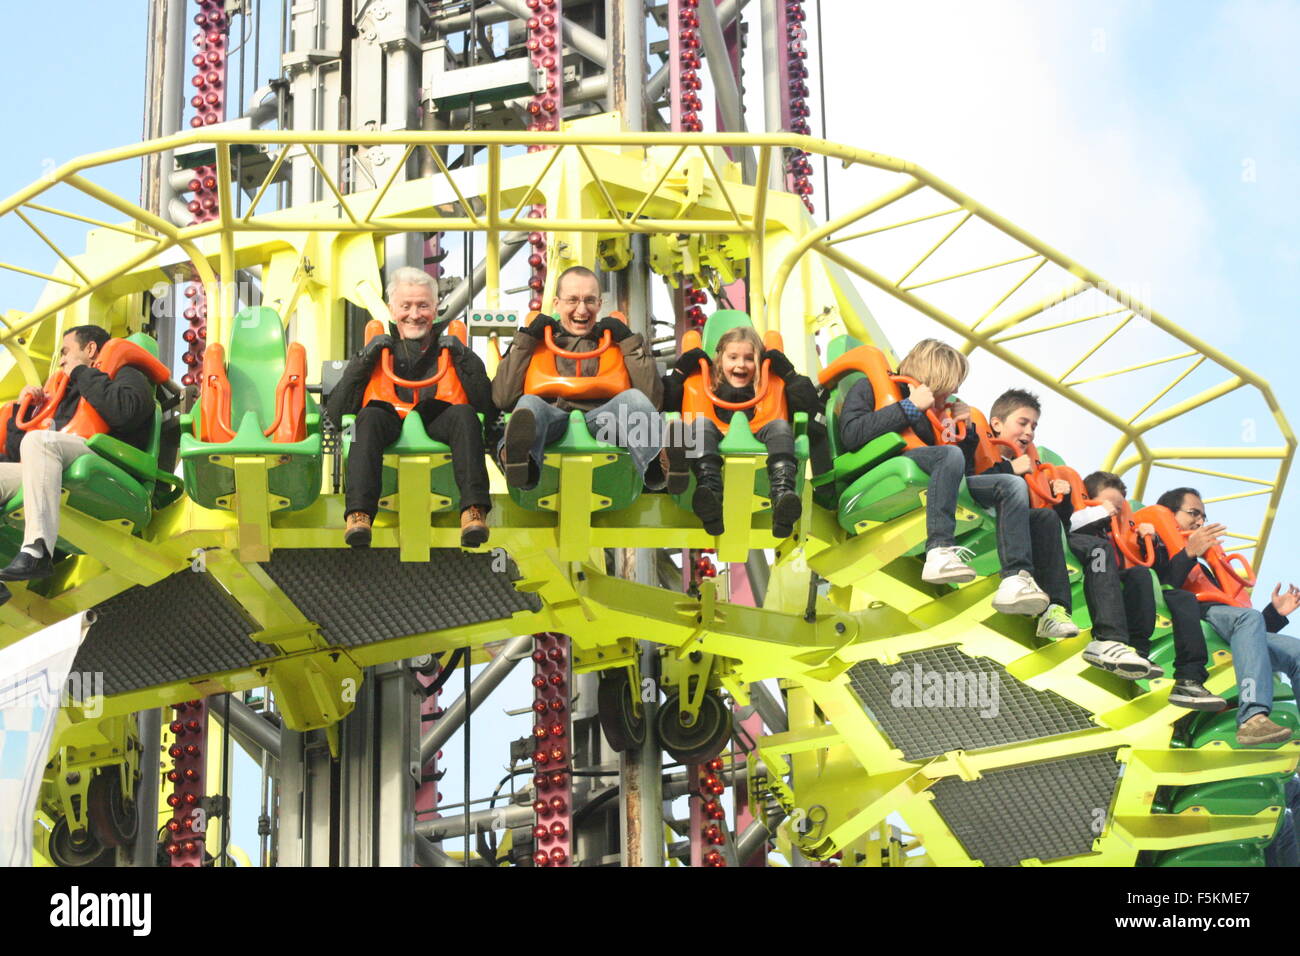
(33, 686)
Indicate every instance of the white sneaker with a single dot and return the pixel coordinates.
(1055, 623)
(1121, 660)
(1020, 594)
(948, 566)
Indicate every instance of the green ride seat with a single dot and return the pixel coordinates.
(417, 480)
(1232, 853)
(580, 475)
(743, 455)
(119, 483)
(277, 475)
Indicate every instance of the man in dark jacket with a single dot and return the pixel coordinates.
(416, 342)
(1258, 649)
(34, 461)
(630, 420)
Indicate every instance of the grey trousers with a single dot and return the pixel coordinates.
(40, 475)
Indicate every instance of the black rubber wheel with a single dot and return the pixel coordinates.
(87, 851)
(113, 819)
(623, 729)
(703, 740)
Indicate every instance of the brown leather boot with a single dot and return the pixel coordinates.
(357, 534)
(473, 527)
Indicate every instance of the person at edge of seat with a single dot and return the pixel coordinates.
(733, 373)
(631, 418)
(34, 460)
(416, 341)
(1014, 417)
(940, 370)
(1122, 603)
(1258, 647)
(1283, 851)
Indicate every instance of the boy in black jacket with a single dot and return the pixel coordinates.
(416, 342)
(1122, 604)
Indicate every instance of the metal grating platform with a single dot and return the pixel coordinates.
(183, 627)
(958, 722)
(1045, 811)
(362, 596)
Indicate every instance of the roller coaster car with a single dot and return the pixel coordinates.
(876, 483)
(252, 444)
(742, 453)
(417, 478)
(599, 476)
(119, 483)
(1244, 796)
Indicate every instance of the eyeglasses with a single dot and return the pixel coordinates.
(572, 301)
(1195, 513)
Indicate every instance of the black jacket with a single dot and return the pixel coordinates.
(126, 403)
(860, 422)
(1173, 571)
(413, 362)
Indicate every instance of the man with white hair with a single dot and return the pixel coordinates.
(416, 341)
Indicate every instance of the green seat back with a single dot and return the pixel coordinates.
(255, 363)
(719, 324)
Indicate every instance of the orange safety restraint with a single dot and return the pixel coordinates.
(1040, 477)
(769, 402)
(113, 357)
(1232, 587)
(884, 385)
(543, 377)
(384, 383)
(290, 424)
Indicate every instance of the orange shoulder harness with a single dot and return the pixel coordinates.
(871, 362)
(113, 357)
(384, 383)
(769, 402)
(1232, 587)
(543, 377)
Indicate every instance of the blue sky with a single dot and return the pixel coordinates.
(1154, 142)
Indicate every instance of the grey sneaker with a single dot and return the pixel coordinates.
(948, 566)
(1121, 660)
(1260, 730)
(1194, 696)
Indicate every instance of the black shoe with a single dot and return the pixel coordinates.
(707, 500)
(5, 595)
(26, 568)
(786, 505)
(1194, 696)
(516, 453)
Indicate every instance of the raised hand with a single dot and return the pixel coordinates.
(617, 330)
(1022, 465)
(537, 327)
(1062, 487)
(922, 397)
(782, 367)
(689, 363)
(1284, 602)
(1204, 538)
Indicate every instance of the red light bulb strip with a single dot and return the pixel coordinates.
(427, 796)
(552, 758)
(209, 103)
(187, 774)
(708, 817)
(546, 48)
(794, 81)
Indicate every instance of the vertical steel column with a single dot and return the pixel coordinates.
(149, 728)
(189, 752)
(427, 796)
(304, 798)
(552, 760)
(748, 719)
(400, 41)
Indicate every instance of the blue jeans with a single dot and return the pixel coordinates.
(1256, 654)
(945, 464)
(1008, 495)
(628, 420)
